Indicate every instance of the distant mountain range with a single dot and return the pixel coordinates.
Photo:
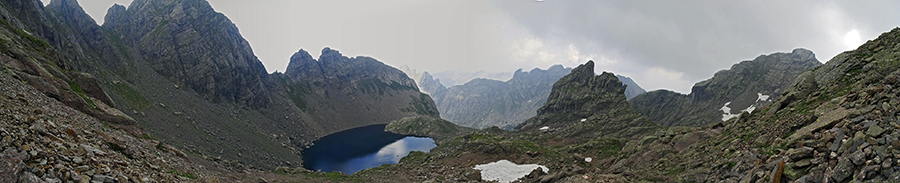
(482, 103)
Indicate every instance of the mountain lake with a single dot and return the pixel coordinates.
(356, 149)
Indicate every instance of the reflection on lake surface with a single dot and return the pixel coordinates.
(360, 148)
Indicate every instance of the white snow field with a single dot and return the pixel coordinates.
(505, 171)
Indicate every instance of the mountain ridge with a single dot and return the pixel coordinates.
(746, 86)
(482, 103)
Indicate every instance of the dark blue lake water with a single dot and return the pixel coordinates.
(360, 148)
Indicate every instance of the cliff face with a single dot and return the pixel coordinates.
(748, 85)
(194, 46)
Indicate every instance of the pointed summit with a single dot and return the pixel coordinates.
(302, 65)
(582, 103)
(582, 93)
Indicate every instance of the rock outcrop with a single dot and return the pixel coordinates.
(582, 102)
(748, 85)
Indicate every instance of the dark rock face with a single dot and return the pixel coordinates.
(583, 94)
(747, 85)
(351, 92)
(584, 103)
(96, 49)
(190, 43)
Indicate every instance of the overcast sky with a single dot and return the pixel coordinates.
(660, 44)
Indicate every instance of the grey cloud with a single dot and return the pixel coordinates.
(661, 44)
(700, 37)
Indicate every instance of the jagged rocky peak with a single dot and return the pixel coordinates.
(588, 105)
(584, 93)
(430, 85)
(72, 10)
(191, 44)
(804, 54)
(302, 65)
(114, 14)
(332, 67)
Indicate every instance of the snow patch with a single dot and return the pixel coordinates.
(505, 171)
(588, 159)
(750, 109)
(544, 128)
(727, 111)
(761, 97)
(583, 119)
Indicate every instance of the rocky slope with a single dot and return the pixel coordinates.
(181, 72)
(746, 86)
(838, 123)
(44, 140)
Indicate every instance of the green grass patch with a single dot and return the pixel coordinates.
(147, 136)
(414, 157)
(421, 105)
(41, 44)
(675, 171)
(131, 95)
(746, 138)
(610, 148)
(524, 146)
(162, 147)
(335, 177)
(295, 91)
(186, 175)
(78, 90)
